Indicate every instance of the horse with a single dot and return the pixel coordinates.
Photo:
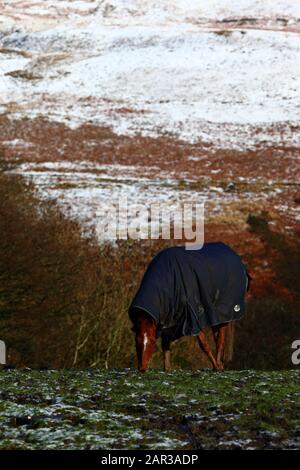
(182, 293)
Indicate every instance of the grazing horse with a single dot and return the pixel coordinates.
(184, 291)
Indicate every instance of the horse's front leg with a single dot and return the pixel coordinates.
(219, 334)
(203, 343)
(165, 345)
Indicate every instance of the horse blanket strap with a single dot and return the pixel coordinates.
(187, 290)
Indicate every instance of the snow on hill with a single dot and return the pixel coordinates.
(210, 70)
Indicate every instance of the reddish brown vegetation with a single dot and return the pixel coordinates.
(270, 174)
(91, 142)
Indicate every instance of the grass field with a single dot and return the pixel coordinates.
(121, 409)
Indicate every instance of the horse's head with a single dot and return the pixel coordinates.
(145, 337)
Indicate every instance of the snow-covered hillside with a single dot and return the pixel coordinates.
(168, 101)
(222, 72)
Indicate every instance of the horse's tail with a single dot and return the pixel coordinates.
(229, 341)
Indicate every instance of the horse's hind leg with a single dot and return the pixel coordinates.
(219, 335)
(166, 344)
(203, 343)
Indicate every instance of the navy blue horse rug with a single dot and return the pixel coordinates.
(187, 290)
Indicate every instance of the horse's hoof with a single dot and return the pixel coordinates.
(219, 368)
